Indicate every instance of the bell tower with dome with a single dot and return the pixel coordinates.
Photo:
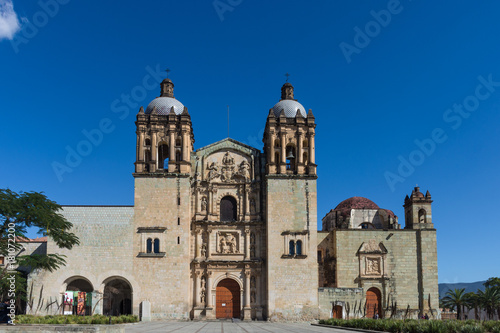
(291, 209)
(164, 135)
(161, 220)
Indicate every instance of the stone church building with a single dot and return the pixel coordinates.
(230, 231)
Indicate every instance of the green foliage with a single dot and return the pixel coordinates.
(417, 326)
(20, 211)
(455, 299)
(81, 320)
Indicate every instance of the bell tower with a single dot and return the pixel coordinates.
(418, 212)
(289, 137)
(291, 207)
(165, 137)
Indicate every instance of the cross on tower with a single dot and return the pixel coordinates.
(287, 76)
(168, 71)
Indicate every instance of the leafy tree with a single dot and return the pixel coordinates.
(18, 212)
(494, 282)
(472, 302)
(455, 299)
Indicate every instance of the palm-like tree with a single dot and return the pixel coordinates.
(489, 300)
(472, 302)
(455, 299)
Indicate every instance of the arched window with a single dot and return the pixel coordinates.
(178, 142)
(149, 245)
(163, 156)
(422, 216)
(156, 246)
(305, 143)
(304, 159)
(290, 158)
(178, 156)
(299, 247)
(277, 143)
(148, 142)
(277, 158)
(291, 248)
(228, 209)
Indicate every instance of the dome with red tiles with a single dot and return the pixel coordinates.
(357, 203)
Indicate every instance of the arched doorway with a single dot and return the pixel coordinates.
(373, 303)
(77, 299)
(228, 209)
(117, 298)
(227, 299)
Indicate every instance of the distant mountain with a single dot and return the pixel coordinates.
(469, 287)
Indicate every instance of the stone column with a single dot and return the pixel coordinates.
(196, 279)
(247, 310)
(209, 313)
(247, 203)
(185, 146)
(311, 148)
(283, 148)
(198, 243)
(247, 243)
(209, 248)
(271, 158)
(300, 160)
(153, 151)
(209, 203)
(258, 296)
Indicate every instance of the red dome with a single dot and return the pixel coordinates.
(357, 203)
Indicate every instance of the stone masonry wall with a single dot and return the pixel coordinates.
(292, 281)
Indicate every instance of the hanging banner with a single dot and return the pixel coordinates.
(81, 304)
(68, 303)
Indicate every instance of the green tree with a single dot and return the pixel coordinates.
(18, 212)
(489, 300)
(472, 302)
(455, 299)
(494, 282)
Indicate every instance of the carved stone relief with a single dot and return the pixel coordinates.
(228, 243)
(226, 170)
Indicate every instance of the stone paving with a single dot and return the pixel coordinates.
(226, 327)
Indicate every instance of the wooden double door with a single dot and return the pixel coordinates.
(227, 299)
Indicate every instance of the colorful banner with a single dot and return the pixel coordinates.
(68, 303)
(81, 304)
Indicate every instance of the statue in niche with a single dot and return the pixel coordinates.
(252, 238)
(202, 296)
(252, 206)
(227, 159)
(213, 171)
(203, 282)
(372, 266)
(203, 250)
(252, 282)
(245, 170)
(252, 251)
(204, 204)
(252, 297)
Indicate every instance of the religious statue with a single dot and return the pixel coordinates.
(252, 297)
(245, 170)
(202, 296)
(252, 206)
(232, 244)
(203, 250)
(223, 245)
(204, 204)
(252, 282)
(228, 159)
(213, 171)
(203, 282)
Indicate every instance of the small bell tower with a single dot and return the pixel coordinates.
(418, 212)
(289, 137)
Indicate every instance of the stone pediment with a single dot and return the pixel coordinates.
(227, 161)
(372, 246)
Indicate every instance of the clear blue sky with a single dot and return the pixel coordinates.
(378, 75)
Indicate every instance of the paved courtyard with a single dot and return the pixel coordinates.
(225, 327)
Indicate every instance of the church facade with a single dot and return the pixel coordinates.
(230, 231)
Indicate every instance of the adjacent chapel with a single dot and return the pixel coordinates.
(230, 231)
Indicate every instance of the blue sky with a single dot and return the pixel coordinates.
(403, 93)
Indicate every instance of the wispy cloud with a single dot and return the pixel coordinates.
(9, 23)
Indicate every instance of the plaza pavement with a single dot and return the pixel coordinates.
(226, 327)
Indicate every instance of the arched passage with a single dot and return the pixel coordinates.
(227, 299)
(77, 297)
(228, 209)
(117, 297)
(373, 303)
